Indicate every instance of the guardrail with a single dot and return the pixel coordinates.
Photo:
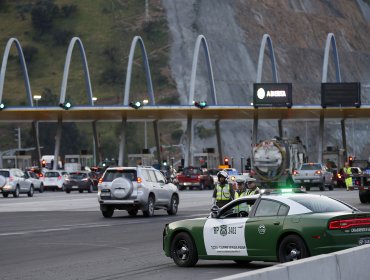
(342, 265)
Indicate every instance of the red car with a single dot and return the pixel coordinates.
(194, 177)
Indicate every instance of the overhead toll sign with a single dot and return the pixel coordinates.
(272, 95)
(340, 95)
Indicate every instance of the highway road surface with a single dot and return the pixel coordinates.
(54, 235)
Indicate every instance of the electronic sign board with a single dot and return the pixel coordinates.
(272, 95)
(340, 95)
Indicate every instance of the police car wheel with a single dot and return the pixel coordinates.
(291, 248)
(183, 250)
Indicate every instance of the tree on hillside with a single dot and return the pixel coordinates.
(43, 14)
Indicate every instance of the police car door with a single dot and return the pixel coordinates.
(225, 236)
(264, 226)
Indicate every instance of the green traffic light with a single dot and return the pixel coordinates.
(66, 105)
(136, 104)
(201, 104)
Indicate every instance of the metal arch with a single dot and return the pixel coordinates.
(146, 68)
(201, 39)
(266, 38)
(24, 69)
(126, 96)
(66, 71)
(330, 40)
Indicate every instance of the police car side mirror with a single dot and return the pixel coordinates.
(214, 211)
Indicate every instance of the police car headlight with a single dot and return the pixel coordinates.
(232, 178)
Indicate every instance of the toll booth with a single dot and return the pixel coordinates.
(73, 163)
(141, 159)
(206, 160)
(17, 161)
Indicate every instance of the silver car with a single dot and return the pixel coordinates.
(35, 179)
(134, 189)
(313, 174)
(13, 181)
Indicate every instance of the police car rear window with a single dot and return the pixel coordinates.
(110, 175)
(321, 204)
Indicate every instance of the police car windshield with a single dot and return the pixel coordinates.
(321, 204)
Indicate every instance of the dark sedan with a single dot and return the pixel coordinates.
(79, 181)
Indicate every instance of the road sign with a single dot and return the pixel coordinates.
(272, 95)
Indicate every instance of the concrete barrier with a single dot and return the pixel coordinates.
(350, 264)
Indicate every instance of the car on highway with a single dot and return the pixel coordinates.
(136, 188)
(194, 178)
(313, 174)
(35, 179)
(268, 227)
(13, 181)
(54, 180)
(79, 181)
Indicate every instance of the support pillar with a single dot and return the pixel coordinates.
(96, 147)
(157, 140)
(344, 138)
(321, 138)
(122, 143)
(189, 131)
(57, 143)
(219, 146)
(35, 130)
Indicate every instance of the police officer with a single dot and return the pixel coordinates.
(252, 186)
(223, 192)
(347, 175)
(241, 189)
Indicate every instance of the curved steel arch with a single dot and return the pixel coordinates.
(330, 40)
(126, 96)
(23, 65)
(66, 71)
(201, 40)
(266, 38)
(146, 68)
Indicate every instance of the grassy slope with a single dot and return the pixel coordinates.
(101, 25)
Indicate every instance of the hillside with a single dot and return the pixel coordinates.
(106, 28)
(298, 29)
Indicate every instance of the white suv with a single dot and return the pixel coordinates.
(13, 181)
(136, 188)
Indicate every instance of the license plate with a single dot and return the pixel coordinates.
(74, 187)
(363, 241)
(306, 181)
(105, 194)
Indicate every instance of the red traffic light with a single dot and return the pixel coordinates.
(226, 160)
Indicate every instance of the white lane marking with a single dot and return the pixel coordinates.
(84, 244)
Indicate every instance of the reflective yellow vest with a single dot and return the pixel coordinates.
(348, 180)
(237, 195)
(252, 192)
(223, 193)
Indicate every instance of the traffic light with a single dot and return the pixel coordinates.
(43, 163)
(136, 104)
(200, 104)
(66, 105)
(226, 161)
(350, 160)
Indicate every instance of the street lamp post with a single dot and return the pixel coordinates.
(241, 164)
(36, 127)
(145, 101)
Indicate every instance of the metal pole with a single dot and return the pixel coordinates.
(241, 164)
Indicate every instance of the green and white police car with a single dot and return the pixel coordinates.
(268, 227)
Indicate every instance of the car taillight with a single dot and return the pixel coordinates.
(11, 178)
(100, 180)
(139, 180)
(198, 177)
(318, 172)
(59, 177)
(295, 172)
(343, 224)
(339, 176)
